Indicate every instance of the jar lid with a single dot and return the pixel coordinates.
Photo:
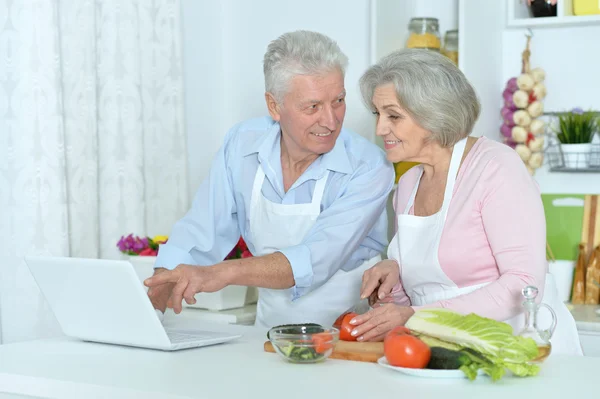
(424, 19)
(424, 22)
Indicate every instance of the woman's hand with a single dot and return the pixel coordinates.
(376, 323)
(188, 280)
(379, 280)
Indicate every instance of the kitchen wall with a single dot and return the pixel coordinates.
(223, 43)
(570, 57)
(223, 46)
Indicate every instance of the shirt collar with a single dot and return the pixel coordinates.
(266, 144)
(337, 159)
(269, 151)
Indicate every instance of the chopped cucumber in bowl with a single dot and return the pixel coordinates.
(303, 343)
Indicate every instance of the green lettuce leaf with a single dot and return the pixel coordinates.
(470, 370)
(489, 337)
(523, 369)
(478, 361)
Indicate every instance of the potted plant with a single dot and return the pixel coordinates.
(141, 251)
(140, 246)
(575, 132)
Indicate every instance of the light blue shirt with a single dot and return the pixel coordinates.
(352, 225)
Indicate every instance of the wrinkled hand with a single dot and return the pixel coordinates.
(377, 322)
(378, 281)
(159, 295)
(187, 281)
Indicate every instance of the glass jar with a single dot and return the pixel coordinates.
(450, 48)
(532, 328)
(424, 33)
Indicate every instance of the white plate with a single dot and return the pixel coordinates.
(425, 373)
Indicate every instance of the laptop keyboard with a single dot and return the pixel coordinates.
(177, 337)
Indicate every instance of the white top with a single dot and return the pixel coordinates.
(62, 368)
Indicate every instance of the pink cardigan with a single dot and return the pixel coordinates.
(495, 232)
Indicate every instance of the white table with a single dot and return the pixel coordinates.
(64, 368)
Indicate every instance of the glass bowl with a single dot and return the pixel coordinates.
(303, 343)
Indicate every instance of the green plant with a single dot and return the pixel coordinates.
(577, 126)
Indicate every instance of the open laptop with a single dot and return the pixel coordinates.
(103, 301)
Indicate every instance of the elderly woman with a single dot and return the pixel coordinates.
(470, 232)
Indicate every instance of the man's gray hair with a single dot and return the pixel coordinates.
(300, 53)
(435, 93)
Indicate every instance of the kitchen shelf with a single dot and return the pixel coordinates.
(550, 22)
(519, 16)
(584, 162)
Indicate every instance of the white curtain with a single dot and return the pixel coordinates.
(92, 138)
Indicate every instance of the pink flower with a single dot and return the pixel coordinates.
(131, 244)
(246, 254)
(242, 245)
(148, 252)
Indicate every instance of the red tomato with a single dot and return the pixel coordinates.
(404, 350)
(400, 330)
(346, 328)
(323, 342)
(338, 322)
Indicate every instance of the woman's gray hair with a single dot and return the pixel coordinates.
(435, 93)
(300, 53)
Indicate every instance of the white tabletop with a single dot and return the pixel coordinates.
(64, 368)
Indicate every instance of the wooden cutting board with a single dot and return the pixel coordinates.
(346, 350)
(590, 233)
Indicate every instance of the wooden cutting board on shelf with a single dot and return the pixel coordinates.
(590, 233)
(346, 350)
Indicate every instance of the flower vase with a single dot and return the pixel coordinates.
(143, 266)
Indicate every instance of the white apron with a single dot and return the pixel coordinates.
(276, 226)
(416, 246)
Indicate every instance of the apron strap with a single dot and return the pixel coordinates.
(320, 189)
(259, 178)
(457, 153)
(413, 195)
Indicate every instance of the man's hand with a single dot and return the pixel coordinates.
(185, 281)
(379, 280)
(376, 323)
(159, 295)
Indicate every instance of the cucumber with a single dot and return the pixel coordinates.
(447, 359)
(288, 350)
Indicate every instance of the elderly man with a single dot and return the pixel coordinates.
(307, 196)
